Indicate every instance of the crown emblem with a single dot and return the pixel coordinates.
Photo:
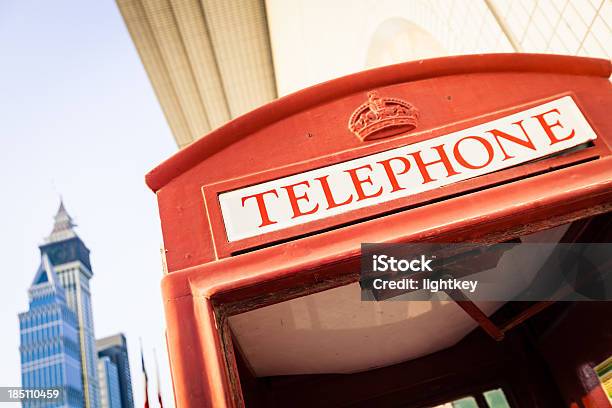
(382, 117)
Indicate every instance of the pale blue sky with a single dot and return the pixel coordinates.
(78, 117)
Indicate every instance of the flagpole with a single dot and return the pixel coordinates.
(159, 395)
(146, 378)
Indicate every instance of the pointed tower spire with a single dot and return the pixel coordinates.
(63, 226)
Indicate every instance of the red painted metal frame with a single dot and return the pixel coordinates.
(199, 300)
(205, 285)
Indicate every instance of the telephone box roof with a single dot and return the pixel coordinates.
(238, 128)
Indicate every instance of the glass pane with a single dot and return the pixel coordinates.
(467, 402)
(496, 399)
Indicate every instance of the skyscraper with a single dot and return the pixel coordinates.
(50, 351)
(115, 348)
(110, 393)
(68, 257)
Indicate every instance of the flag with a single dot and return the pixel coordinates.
(146, 379)
(159, 396)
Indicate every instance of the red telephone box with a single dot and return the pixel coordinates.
(263, 219)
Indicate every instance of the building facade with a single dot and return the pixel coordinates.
(114, 348)
(213, 60)
(110, 394)
(68, 256)
(50, 350)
